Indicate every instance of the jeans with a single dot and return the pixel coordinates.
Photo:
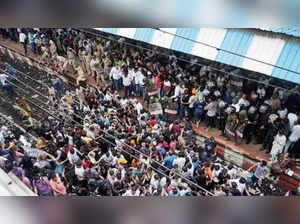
(9, 89)
(139, 90)
(209, 121)
(25, 46)
(288, 145)
(117, 83)
(127, 91)
(33, 47)
(181, 112)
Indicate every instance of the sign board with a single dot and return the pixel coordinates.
(153, 93)
(234, 157)
(155, 109)
(169, 111)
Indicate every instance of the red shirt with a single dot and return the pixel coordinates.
(172, 146)
(79, 133)
(69, 148)
(158, 82)
(176, 129)
(86, 164)
(152, 122)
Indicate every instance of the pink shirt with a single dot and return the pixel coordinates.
(172, 146)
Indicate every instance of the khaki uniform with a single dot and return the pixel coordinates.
(231, 126)
(81, 75)
(97, 71)
(71, 58)
(60, 62)
(53, 51)
(82, 60)
(45, 55)
(88, 59)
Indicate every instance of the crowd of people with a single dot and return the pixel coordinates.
(105, 141)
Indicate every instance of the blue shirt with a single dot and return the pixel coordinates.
(6, 152)
(169, 161)
(162, 151)
(196, 164)
(30, 37)
(228, 99)
(199, 107)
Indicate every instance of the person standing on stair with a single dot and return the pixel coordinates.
(23, 41)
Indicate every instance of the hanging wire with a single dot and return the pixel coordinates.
(108, 141)
(227, 51)
(187, 61)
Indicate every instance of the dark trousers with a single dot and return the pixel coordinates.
(210, 121)
(127, 91)
(222, 124)
(9, 89)
(268, 143)
(191, 113)
(25, 46)
(33, 48)
(260, 135)
(249, 130)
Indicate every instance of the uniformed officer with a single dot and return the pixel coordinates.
(231, 125)
(243, 118)
(261, 128)
(251, 123)
(222, 117)
(272, 129)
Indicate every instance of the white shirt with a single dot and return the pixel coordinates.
(3, 78)
(79, 172)
(123, 102)
(261, 93)
(73, 158)
(128, 193)
(131, 74)
(232, 173)
(115, 73)
(139, 107)
(282, 113)
(295, 135)
(292, 119)
(139, 78)
(167, 83)
(241, 187)
(22, 37)
(180, 161)
(94, 64)
(243, 102)
(154, 183)
(126, 80)
(177, 92)
(107, 159)
(211, 109)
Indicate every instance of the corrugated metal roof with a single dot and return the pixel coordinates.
(290, 30)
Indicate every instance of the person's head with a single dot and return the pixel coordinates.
(107, 154)
(263, 163)
(78, 164)
(242, 180)
(230, 167)
(234, 185)
(14, 165)
(111, 173)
